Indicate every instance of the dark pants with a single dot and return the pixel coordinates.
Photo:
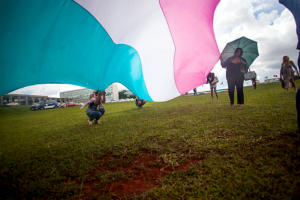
(235, 80)
(298, 107)
(299, 60)
(95, 114)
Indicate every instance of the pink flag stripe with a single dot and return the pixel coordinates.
(196, 51)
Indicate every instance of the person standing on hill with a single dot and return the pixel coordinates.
(287, 73)
(236, 66)
(195, 91)
(212, 80)
(95, 108)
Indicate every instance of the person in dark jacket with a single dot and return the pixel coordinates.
(95, 108)
(236, 66)
(195, 91)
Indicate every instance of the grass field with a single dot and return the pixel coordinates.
(187, 148)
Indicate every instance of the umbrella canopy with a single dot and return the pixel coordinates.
(294, 7)
(250, 50)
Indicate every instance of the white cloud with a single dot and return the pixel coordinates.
(51, 90)
(274, 31)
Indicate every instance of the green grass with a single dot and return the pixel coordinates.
(249, 152)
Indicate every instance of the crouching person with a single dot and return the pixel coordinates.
(139, 102)
(95, 108)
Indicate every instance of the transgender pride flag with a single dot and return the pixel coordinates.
(158, 49)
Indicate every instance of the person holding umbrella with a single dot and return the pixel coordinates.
(236, 57)
(236, 68)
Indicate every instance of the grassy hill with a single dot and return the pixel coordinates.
(187, 148)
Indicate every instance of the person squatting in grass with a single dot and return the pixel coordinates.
(139, 102)
(287, 73)
(212, 80)
(236, 66)
(95, 108)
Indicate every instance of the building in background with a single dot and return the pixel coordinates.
(112, 93)
(79, 95)
(82, 95)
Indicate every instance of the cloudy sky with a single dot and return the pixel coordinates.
(265, 21)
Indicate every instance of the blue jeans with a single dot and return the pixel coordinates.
(95, 114)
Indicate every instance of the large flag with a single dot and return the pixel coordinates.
(294, 7)
(158, 49)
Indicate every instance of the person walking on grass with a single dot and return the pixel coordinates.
(95, 108)
(195, 91)
(213, 80)
(236, 66)
(287, 73)
(254, 83)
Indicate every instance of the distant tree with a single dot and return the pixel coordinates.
(122, 94)
(125, 94)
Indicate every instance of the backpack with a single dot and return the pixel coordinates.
(216, 80)
(250, 75)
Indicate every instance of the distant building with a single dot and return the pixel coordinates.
(112, 93)
(82, 95)
(272, 80)
(79, 95)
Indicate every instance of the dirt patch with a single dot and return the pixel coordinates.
(125, 177)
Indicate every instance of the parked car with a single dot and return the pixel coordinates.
(51, 104)
(13, 104)
(38, 106)
(70, 104)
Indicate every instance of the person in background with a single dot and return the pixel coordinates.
(212, 80)
(287, 73)
(95, 108)
(139, 102)
(236, 66)
(195, 91)
(254, 83)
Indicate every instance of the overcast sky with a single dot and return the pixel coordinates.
(265, 21)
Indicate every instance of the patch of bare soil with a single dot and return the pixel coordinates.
(143, 173)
